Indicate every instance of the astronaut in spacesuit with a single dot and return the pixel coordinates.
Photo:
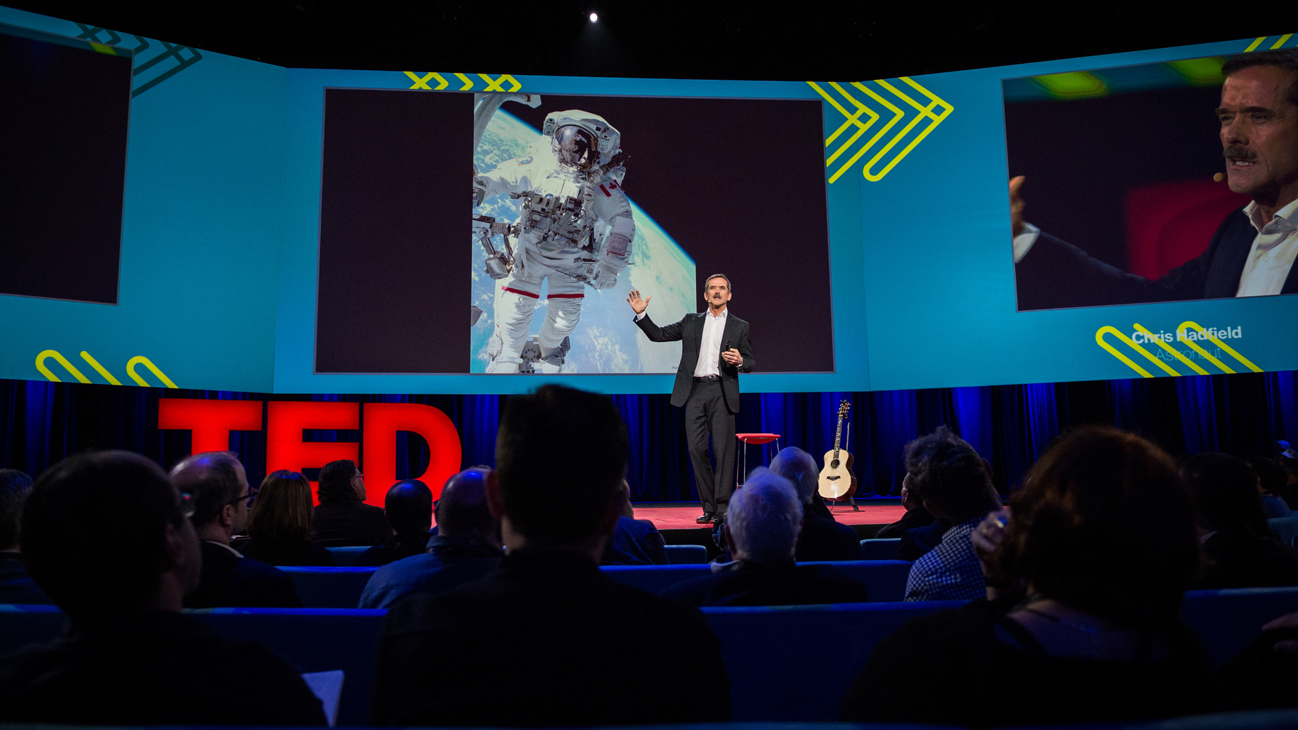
(574, 228)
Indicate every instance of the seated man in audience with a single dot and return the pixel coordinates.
(955, 485)
(219, 488)
(466, 547)
(408, 508)
(916, 516)
(1236, 540)
(128, 656)
(634, 542)
(16, 586)
(342, 519)
(761, 531)
(1271, 482)
(547, 639)
(821, 538)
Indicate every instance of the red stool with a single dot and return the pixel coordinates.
(757, 439)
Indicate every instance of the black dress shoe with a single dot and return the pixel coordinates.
(707, 518)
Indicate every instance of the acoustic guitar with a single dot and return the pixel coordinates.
(837, 480)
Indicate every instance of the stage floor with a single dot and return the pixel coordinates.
(681, 516)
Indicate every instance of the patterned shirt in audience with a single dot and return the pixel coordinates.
(949, 572)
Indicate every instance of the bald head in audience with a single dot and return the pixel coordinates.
(409, 508)
(462, 510)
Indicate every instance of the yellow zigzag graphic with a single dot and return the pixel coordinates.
(930, 111)
(1260, 41)
(490, 84)
(1179, 355)
(130, 369)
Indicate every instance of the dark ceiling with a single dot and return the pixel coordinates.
(668, 40)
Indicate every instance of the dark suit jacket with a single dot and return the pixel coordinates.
(229, 580)
(1058, 274)
(780, 584)
(286, 552)
(152, 668)
(352, 523)
(825, 539)
(635, 542)
(690, 332)
(547, 640)
(1244, 561)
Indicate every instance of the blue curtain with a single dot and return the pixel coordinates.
(1010, 425)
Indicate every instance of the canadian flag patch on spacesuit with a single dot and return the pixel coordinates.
(605, 190)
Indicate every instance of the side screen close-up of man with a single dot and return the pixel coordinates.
(1147, 174)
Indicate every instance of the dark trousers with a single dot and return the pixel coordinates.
(706, 414)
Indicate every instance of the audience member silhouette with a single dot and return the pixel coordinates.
(821, 538)
(1095, 560)
(536, 642)
(408, 506)
(1240, 549)
(342, 519)
(916, 516)
(16, 586)
(129, 657)
(465, 548)
(761, 531)
(279, 523)
(634, 542)
(954, 484)
(219, 487)
(1272, 480)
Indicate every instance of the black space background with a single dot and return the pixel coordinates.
(394, 285)
(63, 125)
(740, 184)
(1081, 157)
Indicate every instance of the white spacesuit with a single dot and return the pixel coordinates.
(575, 228)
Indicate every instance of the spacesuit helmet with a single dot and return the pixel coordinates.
(580, 139)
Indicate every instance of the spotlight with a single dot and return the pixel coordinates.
(594, 17)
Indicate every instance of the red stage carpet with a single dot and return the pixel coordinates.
(677, 516)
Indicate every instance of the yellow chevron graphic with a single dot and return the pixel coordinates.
(892, 103)
(1181, 337)
(1262, 41)
(130, 369)
(489, 84)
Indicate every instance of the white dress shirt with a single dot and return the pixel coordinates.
(710, 347)
(1273, 251)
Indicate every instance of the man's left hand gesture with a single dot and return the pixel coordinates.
(733, 357)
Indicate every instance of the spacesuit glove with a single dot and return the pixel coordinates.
(605, 277)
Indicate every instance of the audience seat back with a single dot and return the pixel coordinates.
(1227, 620)
(1285, 528)
(788, 664)
(687, 554)
(785, 663)
(884, 579)
(881, 548)
(330, 587)
(346, 557)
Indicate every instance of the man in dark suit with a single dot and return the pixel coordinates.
(343, 518)
(1252, 252)
(715, 349)
(218, 487)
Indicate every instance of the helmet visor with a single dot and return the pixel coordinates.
(575, 147)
